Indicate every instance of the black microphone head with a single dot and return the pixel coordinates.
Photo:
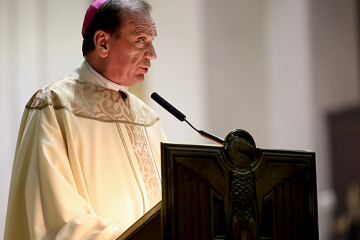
(155, 96)
(168, 107)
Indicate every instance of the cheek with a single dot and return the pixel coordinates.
(135, 52)
(119, 58)
(126, 57)
(136, 57)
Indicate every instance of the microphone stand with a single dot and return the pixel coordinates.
(179, 115)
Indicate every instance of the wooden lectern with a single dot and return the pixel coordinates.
(232, 192)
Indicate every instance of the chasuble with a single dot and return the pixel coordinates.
(87, 162)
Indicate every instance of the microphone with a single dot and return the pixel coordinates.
(179, 115)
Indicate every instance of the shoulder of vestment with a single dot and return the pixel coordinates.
(90, 101)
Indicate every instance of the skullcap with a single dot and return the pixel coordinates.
(90, 13)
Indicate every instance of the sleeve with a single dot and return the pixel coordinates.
(54, 207)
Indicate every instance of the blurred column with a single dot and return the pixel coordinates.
(288, 74)
(234, 71)
(6, 105)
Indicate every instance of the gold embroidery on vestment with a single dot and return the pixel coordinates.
(132, 166)
(96, 119)
(143, 154)
(90, 101)
(152, 153)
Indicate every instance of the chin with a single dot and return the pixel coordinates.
(139, 78)
(135, 80)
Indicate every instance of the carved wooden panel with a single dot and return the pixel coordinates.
(196, 189)
(286, 194)
(238, 192)
(235, 192)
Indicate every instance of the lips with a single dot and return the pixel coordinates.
(143, 70)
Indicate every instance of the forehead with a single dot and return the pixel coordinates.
(139, 22)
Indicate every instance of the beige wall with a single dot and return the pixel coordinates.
(178, 73)
(235, 68)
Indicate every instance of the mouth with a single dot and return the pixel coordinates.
(144, 70)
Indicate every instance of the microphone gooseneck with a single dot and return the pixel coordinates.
(179, 115)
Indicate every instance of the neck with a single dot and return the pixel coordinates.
(96, 63)
(109, 84)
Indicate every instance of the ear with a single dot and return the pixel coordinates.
(101, 41)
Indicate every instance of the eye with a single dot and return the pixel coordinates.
(142, 40)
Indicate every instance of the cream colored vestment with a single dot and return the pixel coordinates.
(87, 163)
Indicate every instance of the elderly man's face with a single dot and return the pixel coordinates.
(130, 54)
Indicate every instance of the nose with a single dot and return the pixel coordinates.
(150, 53)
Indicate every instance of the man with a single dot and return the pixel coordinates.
(87, 162)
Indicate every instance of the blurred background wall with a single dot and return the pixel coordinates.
(274, 68)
